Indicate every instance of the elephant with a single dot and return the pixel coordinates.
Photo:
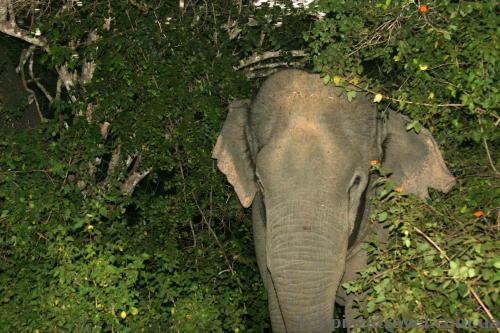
(300, 154)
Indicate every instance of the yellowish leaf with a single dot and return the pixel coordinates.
(377, 98)
(134, 311)
(337, 80)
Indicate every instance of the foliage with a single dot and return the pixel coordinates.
(438, 65)
(78, 255)
(436, 62)
(440, 253)
(177, 255)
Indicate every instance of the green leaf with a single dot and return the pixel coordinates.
(407, 241)
(371, 306)
(415, 125)
(462, 289)
(380, 298)
(382, 216)
(79, 223)
(350, 95)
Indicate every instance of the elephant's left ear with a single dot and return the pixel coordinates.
(233, 153)
(414, 159)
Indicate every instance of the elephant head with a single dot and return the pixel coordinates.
(300, 154)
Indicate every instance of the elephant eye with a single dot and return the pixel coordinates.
(356, 181)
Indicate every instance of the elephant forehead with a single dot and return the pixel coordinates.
(305, 142)
(305, 121)
(304, 100)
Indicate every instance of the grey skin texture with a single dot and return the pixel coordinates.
(300, 154)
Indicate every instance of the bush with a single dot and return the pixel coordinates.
(78, 253)
(437, 63)
(177, 255)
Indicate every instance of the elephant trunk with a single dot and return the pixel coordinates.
(306, 248)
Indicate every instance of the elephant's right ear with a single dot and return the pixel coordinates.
(233, 154)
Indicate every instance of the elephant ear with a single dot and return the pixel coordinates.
(414, 159)
(233, 154)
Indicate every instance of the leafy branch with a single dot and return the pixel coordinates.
(471, 289)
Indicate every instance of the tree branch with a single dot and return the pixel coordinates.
(471, 289)
(8, 26)
(13, 30)
(264, 70)
(25, 54)
(115, 158)
(68, 79)
(37, 82)
(255, 58)
(132, 180)
(488, 154)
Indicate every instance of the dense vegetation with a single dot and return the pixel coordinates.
(113, 216)
(437, 63)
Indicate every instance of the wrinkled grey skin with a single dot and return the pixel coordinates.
(300, 155)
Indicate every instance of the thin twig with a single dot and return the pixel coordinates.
(40, 235)
(489, 157)
(25, 54)
(142, 7)
(67, 172)
(372, 279)
(427, 238)
(184, 189)
(37, 81)
(488, 154)
(204, 219)
(24, 171)
(203, 216)
(451, 105)
(374, 38)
